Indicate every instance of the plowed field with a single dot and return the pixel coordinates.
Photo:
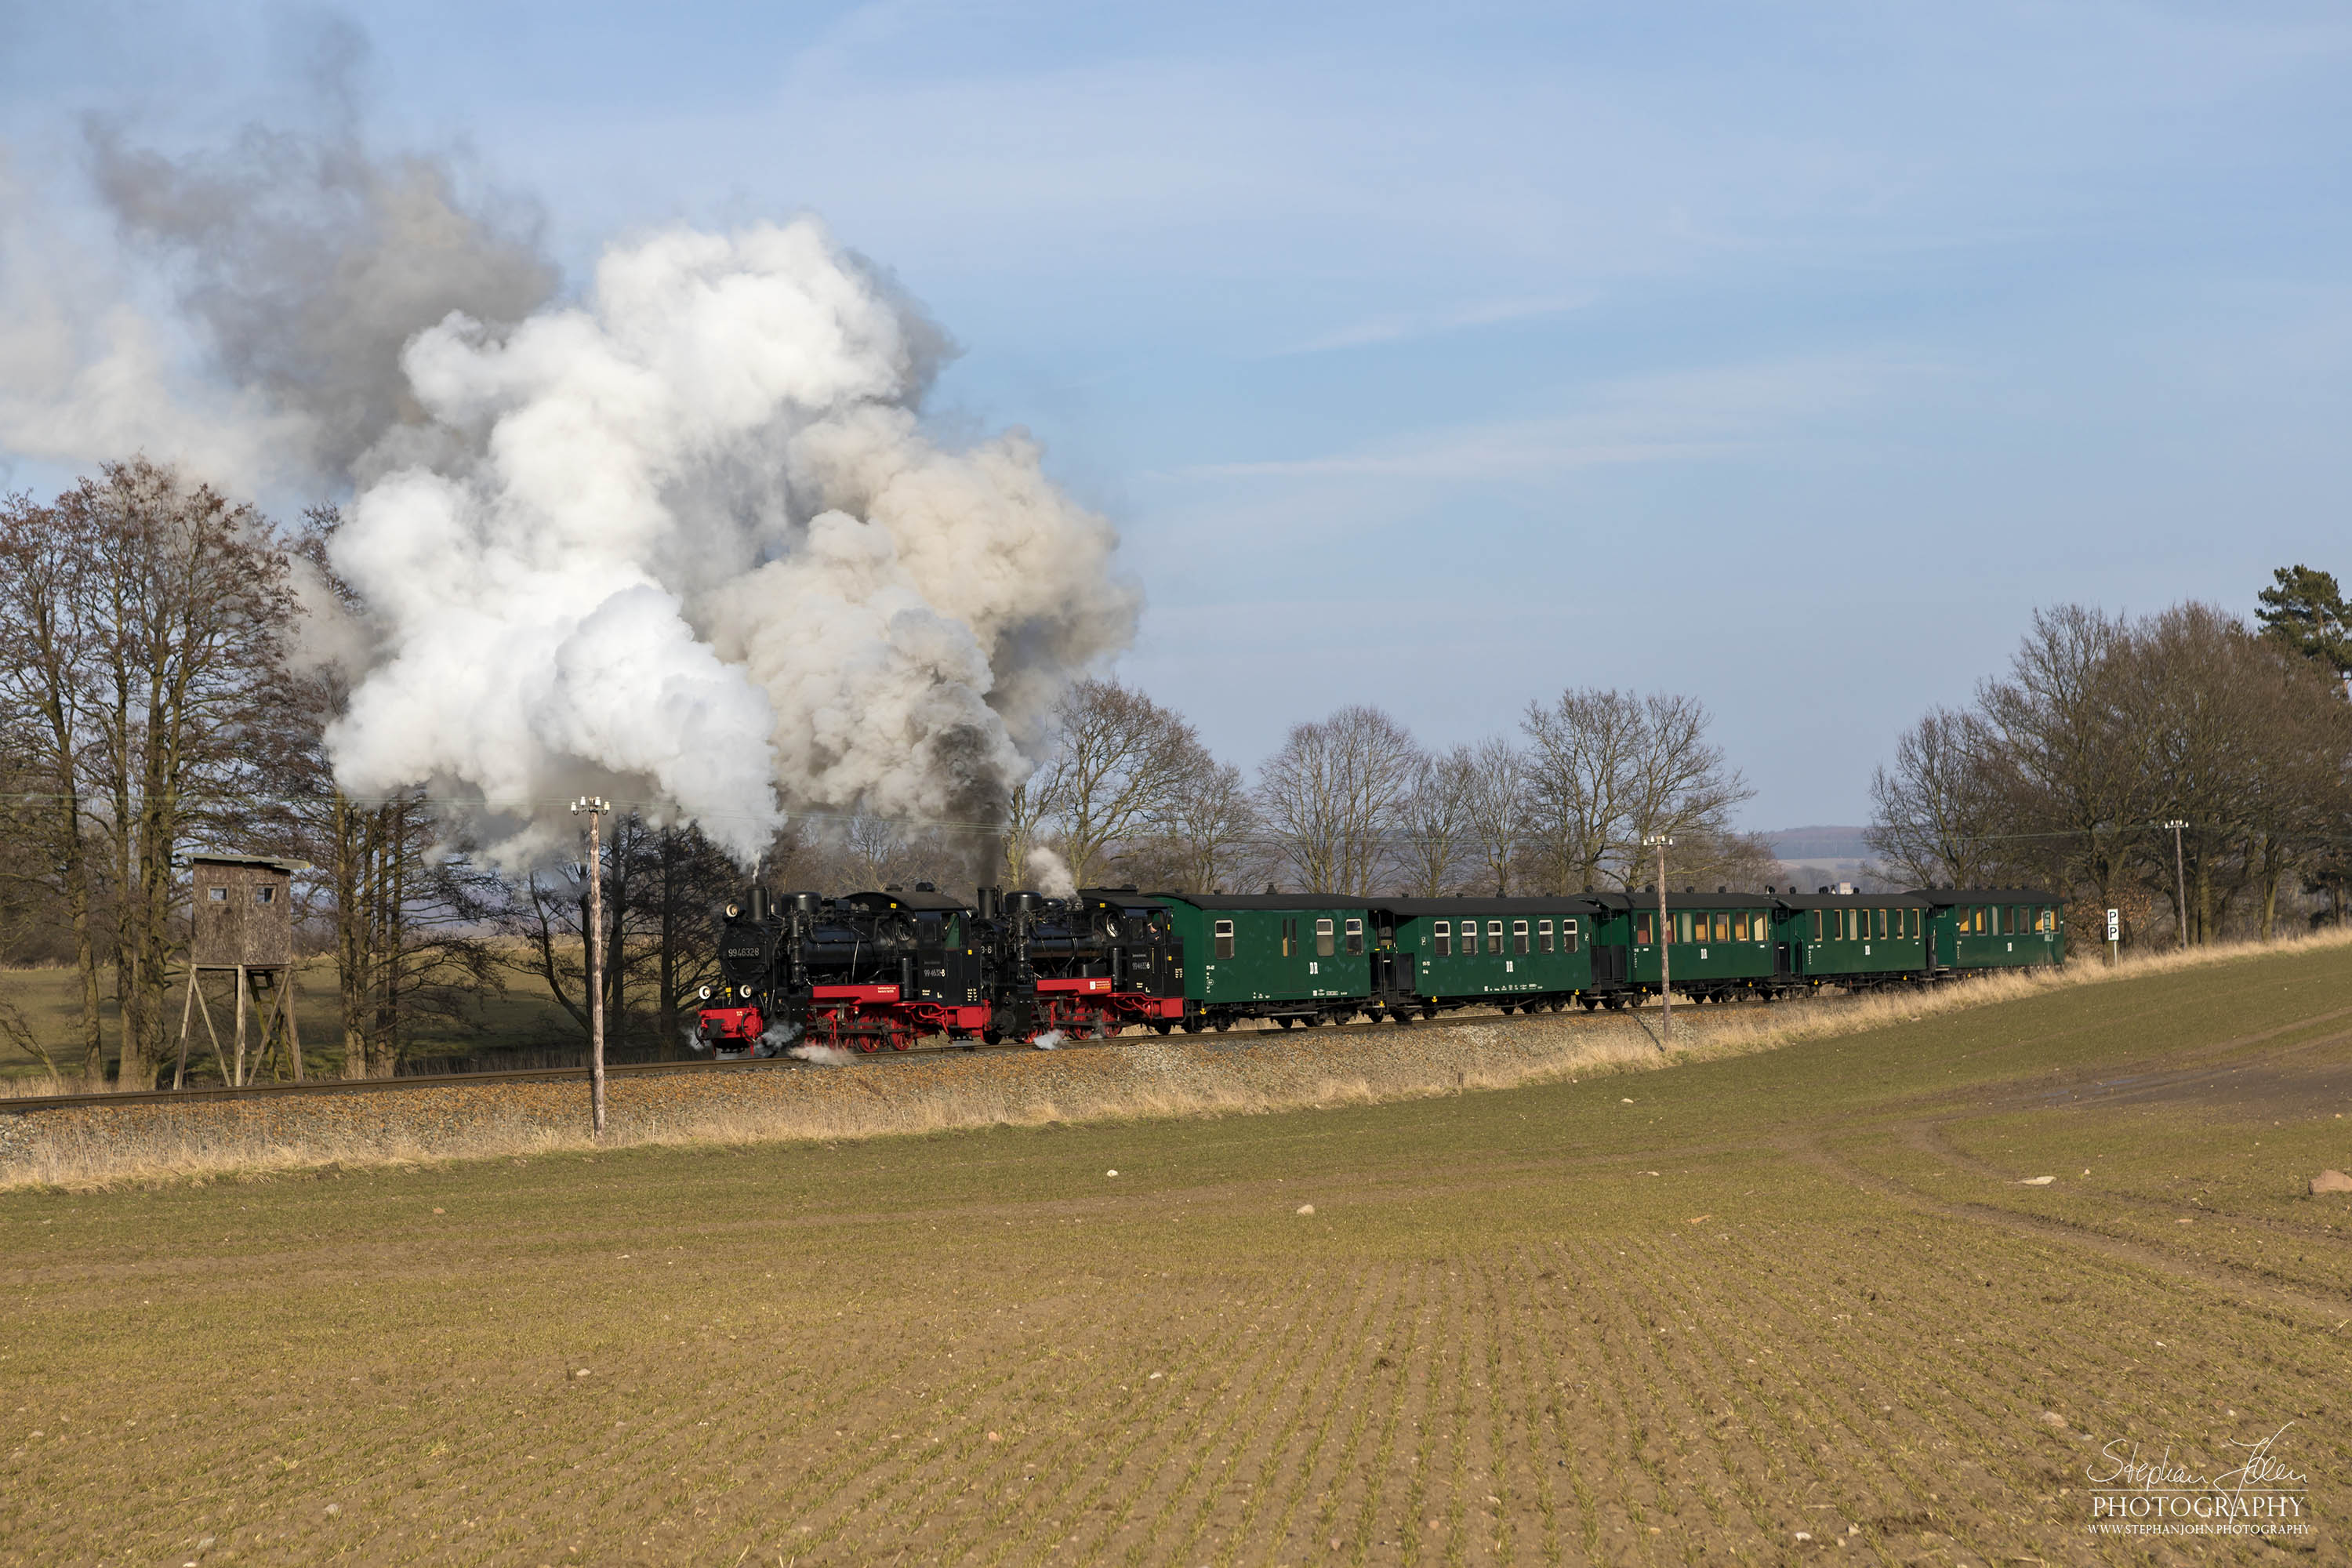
(1780, 1307)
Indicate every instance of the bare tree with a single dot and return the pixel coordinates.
(1678, 784)
(875, 846)
(1329, 793)
(1118, 760)
(1436, 821)
(1494, 798)
(1204, 837)
(1583, 752)
(1936, 817)
(190, 609)
(49, 637)
(2073, 770)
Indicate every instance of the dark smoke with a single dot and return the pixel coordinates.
(311, 262)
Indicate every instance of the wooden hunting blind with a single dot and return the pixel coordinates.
(241, 922)
(244, 914)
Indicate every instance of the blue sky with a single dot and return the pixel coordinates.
(1441, 357)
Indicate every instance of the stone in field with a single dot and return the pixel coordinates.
(2037, 1181)
(1306, 1208)
(2330, 1181)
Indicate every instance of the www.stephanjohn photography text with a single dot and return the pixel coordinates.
(2257, 1491)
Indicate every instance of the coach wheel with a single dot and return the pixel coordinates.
(1284, 1023)
(1221, 1024)
(1161, 1028)
(1429, 1011)
(1590, 1002)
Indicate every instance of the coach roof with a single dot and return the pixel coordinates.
(1415, 908)
(1267, 900)
(1943, 898)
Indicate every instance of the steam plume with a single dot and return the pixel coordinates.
(694, 541)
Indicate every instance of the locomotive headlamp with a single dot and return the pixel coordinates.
(705, 994)
(734, 909)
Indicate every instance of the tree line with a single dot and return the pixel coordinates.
(2068, 769)
(1352, 803)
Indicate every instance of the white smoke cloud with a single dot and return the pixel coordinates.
(822, 1056)
(1051, 872)
(690, 545)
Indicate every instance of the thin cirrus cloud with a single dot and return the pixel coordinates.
(1405, 325)
(1717, 411)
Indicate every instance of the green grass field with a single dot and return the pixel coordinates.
(1784, 1306)
(521, 1016)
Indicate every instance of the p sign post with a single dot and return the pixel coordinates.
(2114, 934)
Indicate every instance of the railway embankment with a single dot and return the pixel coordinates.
(100, 1141)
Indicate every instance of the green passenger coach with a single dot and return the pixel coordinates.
(1855, 939)
(1514, 954)
(1296, 958)
(1717, 946)
(1995, 928)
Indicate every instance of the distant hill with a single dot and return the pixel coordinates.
(1818, 844)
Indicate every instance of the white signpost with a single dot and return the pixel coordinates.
(2114, 934)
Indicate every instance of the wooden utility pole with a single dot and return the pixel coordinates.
(595, 806)
(2179, 881)
(1665, 965)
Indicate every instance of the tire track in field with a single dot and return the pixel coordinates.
(2294, 1304)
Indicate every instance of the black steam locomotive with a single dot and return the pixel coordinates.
(869, 969)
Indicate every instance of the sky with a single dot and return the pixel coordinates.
(1447, 357)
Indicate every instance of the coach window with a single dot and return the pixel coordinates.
(1882, 925)
(1568, 936)
(1642, 932)
(1355, 936)
(1324, 946)
(1723, 928)
(1543, 936)
(1224, 934)
(1739, 926)
(1519, 936)
(1495, 938)
(1817, 925)
(1444, 932)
